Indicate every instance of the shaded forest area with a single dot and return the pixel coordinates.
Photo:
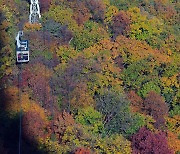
(103, 77)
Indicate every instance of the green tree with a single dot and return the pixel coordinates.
(91, 34)
(147, 87)
(91, 118)
(140, 73)
(117, 116)
(141, 27)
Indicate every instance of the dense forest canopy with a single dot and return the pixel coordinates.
(103, 77)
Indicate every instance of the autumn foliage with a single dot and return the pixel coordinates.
(146, 141)
(103, 77)
(61, 122)
(82, 151)
(45, 5)
(136, 101)
(155, 106)
(121, 23)
(33, 126)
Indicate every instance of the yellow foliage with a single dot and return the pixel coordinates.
(106, 2)
(170, 81)
(141, 27)
(110, 13)
(173, 124)
(105, 52)
(64, 16)
(149, 122)
(52, 146)
(8, 13)
(65, 53)
(116, 144)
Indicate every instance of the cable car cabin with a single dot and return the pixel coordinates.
(22, 52)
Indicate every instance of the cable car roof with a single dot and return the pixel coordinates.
(24, 46)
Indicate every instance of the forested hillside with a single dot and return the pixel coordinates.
(103, 78)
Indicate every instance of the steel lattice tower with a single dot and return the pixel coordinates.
(34, 12)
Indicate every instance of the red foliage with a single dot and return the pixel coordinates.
(38, 82)
(45, 4)
(155, 106)
(37, 41)
(33, 126)
(146, 142)
(72, 77)
(25, 77)
(22, 79)
(66, 35)
(36, 77)
(60, 123)
(119, 62)
(121, 24)
(81, 13)
(82, 151)
(42, 40)
(97, 8)
(165, 10)
(136, 101)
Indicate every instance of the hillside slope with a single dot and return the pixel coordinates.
(103, 77)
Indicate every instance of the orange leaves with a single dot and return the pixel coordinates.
(60, 124)
(33, 126)
(29, 105)
(15, 102)
(32, 27)
(41, 70)
(80, 97)
(39, 82)
(104, 53)
(82, 151)
(81, 14)
(137, 50)
(173, 142)
(136, 102)
(101, 48)
(131, 50)
(11, 104)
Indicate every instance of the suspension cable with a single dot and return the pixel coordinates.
(20, 115)
(34, 15)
